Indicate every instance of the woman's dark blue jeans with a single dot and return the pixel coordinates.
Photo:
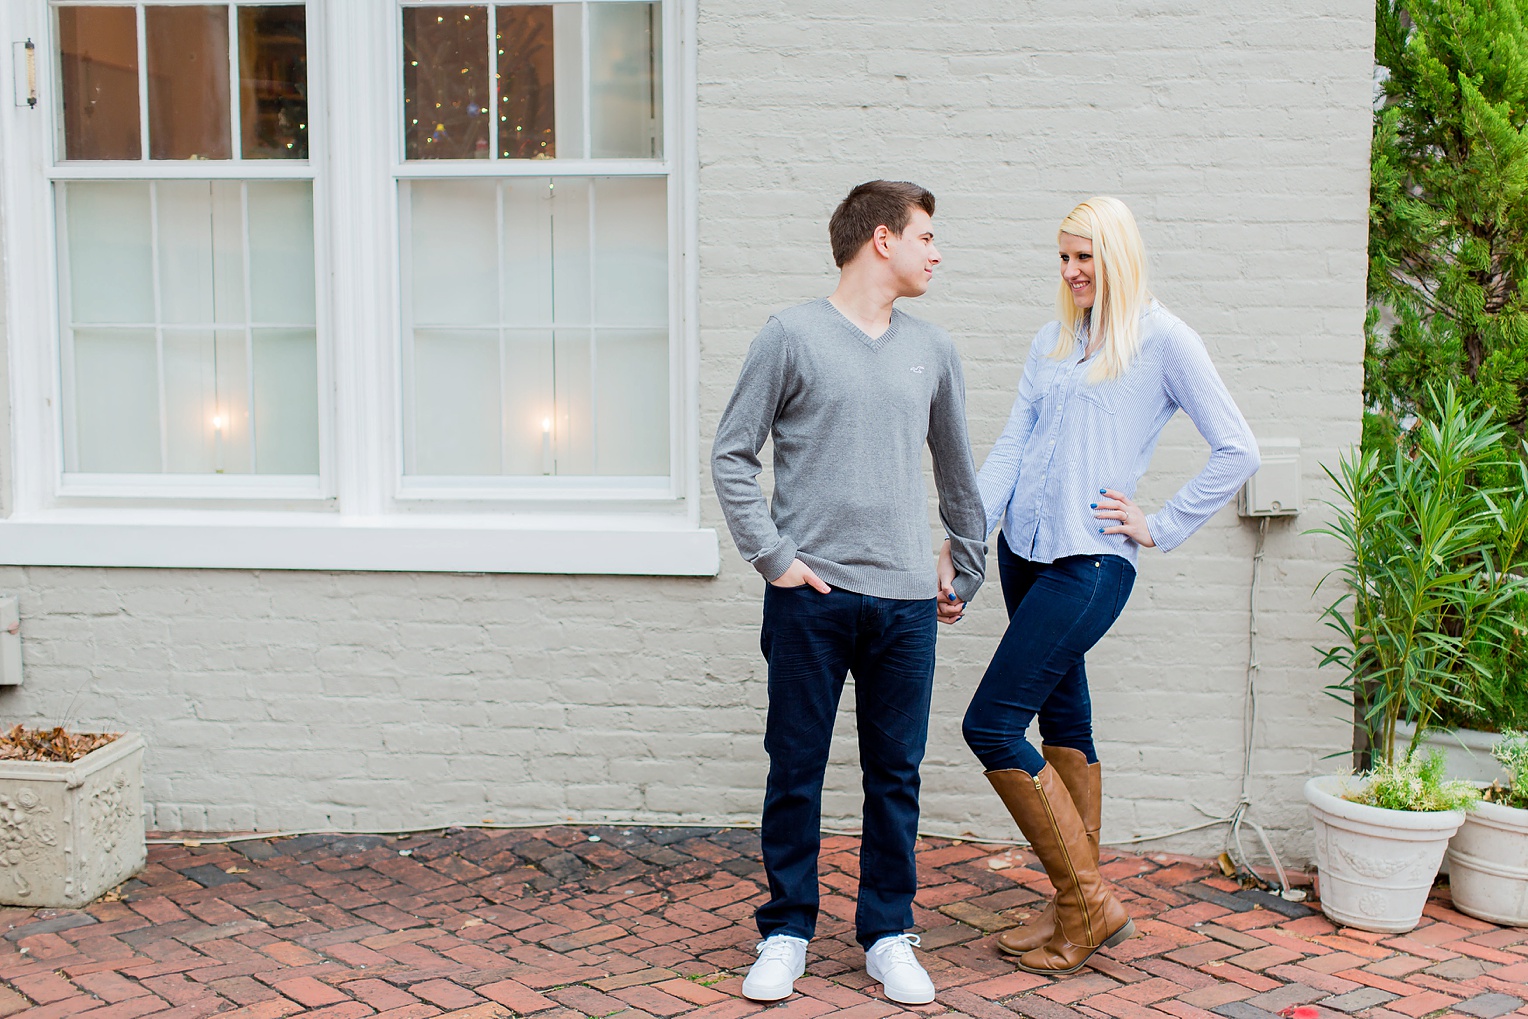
(1056, 613)
(811, 642)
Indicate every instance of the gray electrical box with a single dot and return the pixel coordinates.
(1274, 491)
(10, 641)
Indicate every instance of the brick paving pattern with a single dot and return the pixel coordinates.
(633, 922)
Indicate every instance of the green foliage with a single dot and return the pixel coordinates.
(1512, 752)
(1415, 781)
(1448, 212)
(1433, 570)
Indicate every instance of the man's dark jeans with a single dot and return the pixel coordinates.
(1056, 613)
(811, 641)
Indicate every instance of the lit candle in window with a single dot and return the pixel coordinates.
(546, 445)
(217, 443)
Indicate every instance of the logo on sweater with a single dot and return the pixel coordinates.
(917, 369)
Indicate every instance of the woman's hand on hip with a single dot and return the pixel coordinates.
(1129, 519)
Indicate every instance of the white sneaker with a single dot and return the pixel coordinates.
(892, 962)
(782, 958)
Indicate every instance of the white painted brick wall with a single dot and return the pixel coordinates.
(1238, 133)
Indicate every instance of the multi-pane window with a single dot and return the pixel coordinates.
(536, 295)
(187, 305)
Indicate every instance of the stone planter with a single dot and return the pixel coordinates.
(69, 832)
(1468, 751)
(1375, 865)
(1488, 864)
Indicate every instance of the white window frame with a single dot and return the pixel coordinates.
(363, 515)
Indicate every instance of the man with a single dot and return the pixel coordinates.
(850, 390)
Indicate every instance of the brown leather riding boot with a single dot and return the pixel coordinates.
(1084, 782)
(1088, 917)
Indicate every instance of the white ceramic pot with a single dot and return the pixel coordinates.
(1376, 866)
(1467, 751)
(1488, 864)
(69, 832)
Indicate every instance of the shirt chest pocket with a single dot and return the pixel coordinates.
(1113, 396)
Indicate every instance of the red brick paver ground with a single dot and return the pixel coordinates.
(558, 923)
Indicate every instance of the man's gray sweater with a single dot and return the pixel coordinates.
(849, 416)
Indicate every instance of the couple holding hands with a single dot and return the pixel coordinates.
(850, 389)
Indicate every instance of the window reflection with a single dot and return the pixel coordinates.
(273, 82)
(98, 50)
(445, 82)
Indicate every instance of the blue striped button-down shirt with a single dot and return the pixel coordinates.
(1067, 438)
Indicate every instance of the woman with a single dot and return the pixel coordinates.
(1097, 389)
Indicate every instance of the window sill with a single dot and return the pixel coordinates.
(628, 546)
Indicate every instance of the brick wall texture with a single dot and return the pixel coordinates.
(1239, 135)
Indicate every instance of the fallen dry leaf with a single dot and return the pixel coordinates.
(23, 744)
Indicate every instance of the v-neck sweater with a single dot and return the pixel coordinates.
(849, 415)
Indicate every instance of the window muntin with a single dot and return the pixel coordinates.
(158, 78)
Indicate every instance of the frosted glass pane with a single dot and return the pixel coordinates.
(631, 252)
(530, 416)
(625, 87)
(570, 251)
(445, 82)
(187, 50)
(206, 388)
(633, 403)
(453, 252)
(201, 257)
(575, 407)
(568, 72)
(455, 408)
(273, 82)
(110, 264)
(286, 401)
(98, 68)
(527, 106)
(115, 408)
(527, 277)
(281, 273)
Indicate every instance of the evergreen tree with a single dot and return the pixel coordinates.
(1448, 214)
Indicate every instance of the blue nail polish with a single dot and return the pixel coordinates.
(1100, 530)
(952, 596)
(1093, 505)
(1101, 491)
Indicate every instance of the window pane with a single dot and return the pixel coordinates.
(625, 80)
(445, 82)
(286, 401)
(273, 82)
(454, 252)
(201, 251)
(456, 404)
(115, 425)
(188, 82)
(109, 266)
(527, 103)
(281, 265)
(206, 390)
(198, 385)
(633, 393)
(98, 64)
(631, 241)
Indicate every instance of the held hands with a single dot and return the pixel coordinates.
(1131, 519)
(950, 608)
(801, 575)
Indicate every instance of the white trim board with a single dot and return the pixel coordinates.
(313, 541)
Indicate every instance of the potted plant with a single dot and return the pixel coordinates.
(1488, 858)
(71, 815)
(1429, 584)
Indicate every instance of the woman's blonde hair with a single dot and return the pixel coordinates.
(1119, 281)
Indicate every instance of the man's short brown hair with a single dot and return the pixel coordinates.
(887, 203)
